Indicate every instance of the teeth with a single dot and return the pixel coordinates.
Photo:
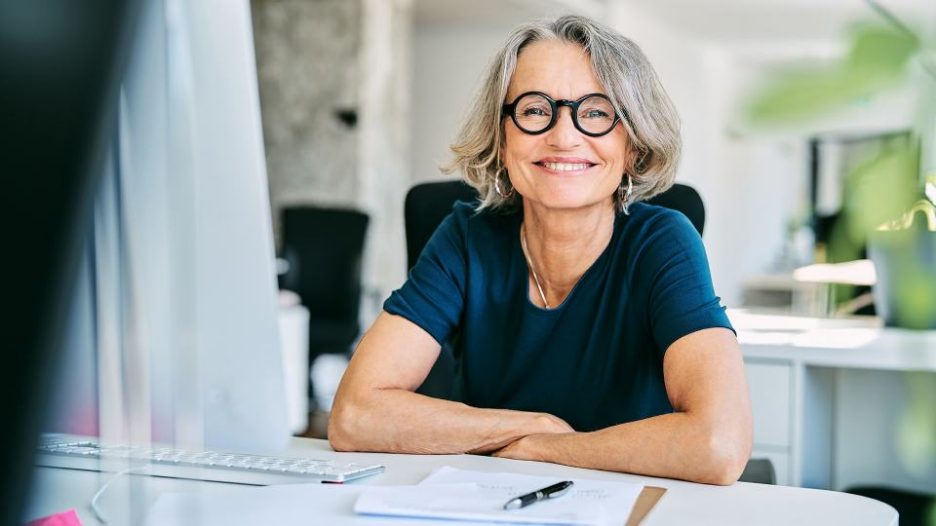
(566, 167)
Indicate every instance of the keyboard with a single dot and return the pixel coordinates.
(63, 451)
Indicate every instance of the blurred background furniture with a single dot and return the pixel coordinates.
(293, 320)
(915, 509)
(426, 206)
(759, 470)
(840, 403)
(324, 249)
(780, 292)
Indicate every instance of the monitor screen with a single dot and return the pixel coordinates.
(173, 332)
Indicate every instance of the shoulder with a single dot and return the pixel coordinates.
(463, 209)
(650, 223)
(457, 221)
(468, 230)
(655, 237)
(481, 222)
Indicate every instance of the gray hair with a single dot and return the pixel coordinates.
(630, 82)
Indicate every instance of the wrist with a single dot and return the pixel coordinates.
(539, 447)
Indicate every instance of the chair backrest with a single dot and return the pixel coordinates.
(427, 204)
(324, 248)
(685, 199)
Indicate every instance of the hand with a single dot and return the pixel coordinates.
(535, 445)
(547, 423)
(520, 424)
(530, 447)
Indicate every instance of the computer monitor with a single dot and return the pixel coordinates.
(50, 131)
(173, 333)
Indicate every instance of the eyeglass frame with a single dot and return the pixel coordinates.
(510, 109)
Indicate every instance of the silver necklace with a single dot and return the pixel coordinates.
(526, 254)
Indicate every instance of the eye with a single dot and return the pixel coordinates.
(535, 111)
(596, 109)
(595, 113)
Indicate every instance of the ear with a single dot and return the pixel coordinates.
(502, 149)
(630, 160)
(642, 160)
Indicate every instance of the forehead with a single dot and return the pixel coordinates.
(560, 69)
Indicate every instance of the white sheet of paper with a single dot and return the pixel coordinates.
(455, 494)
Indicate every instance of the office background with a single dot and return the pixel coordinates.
(359, 100)
(370, 106)
(405, 71)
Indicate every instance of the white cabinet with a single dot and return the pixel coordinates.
(830, 397)
(770, 387)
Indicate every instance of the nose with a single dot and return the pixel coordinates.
(564, 135)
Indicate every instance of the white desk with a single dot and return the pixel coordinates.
(830, 397)
(128, 499)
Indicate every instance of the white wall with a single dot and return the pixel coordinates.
(453, 42)
(702, 82)
(384, 82)
(449, 60)
(753, 186)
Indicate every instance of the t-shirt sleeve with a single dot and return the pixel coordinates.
(433, 295)
(681, 298)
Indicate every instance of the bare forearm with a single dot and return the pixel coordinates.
(677, 445)
(707, 439)
(400, 421)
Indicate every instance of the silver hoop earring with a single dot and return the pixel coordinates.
(625, 195)
(497, 186)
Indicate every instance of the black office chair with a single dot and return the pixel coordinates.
(685, 199)
(914, 508)
(760, 470)
(427, 204)
(324, 248)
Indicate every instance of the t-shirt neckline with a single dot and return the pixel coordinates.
(525, 269)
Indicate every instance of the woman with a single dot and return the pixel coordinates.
(588, 330)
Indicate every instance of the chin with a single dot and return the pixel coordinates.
(569, 194)
(567, 202)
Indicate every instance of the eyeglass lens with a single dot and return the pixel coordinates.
(593, 115)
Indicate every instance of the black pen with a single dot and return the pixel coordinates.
(550, 492)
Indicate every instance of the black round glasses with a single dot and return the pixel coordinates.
(535, 112)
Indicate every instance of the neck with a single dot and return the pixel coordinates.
(562, 245)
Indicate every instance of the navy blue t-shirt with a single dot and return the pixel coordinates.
(596, 360)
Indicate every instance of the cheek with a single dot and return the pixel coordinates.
(514, 146)
(617, 150)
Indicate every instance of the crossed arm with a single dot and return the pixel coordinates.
(706, 439)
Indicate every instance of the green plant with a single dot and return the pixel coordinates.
(880, 57)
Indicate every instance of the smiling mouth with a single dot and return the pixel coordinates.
(565, 167)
